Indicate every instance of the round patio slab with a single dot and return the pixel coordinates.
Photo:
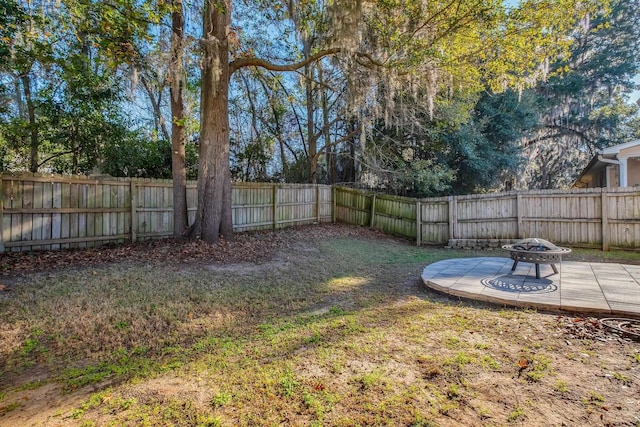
(584, 287)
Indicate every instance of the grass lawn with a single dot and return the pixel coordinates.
(319, 326)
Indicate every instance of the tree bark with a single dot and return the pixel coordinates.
(311, 135)
(33, 126)
(214, 180)
(326, 127)
(213, 216)
(155, 103)
(178, 162)
(276, 128)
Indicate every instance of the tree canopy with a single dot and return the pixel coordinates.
(413, 96)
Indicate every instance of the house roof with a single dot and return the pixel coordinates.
(596, 165)
(615, 149)
(592, 169)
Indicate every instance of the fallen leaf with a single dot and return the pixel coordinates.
(247, 247)
(318, 386)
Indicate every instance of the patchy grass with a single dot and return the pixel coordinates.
(333, 327)
(623, 257)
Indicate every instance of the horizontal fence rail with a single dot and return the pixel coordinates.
(50, 212)
(591, 218)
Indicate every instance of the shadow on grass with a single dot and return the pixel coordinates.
(141, 322)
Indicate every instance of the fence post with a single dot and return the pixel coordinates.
(373, 211)
(334, 203)
(317, 204)
(519, 225)
(453, 217)
(605, 220)
(418, 223)
(275, 206)
(134, 216)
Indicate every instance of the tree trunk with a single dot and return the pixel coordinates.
(74, 155)
(277, 130)
(178, 162)
(311, 137)
(155, 103)
(326, 127)
(33, 127)
(214, 179)
(213, 217)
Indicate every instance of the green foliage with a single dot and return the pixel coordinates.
(561, 386)
(66, 104)
(249, 162)
(516, 414)
(288, 383)
(583, 107)
(459, 150)
(12, 18)
(623, 378)
(221, 399)
(432, 62)
(485, 149)
(123, 366)
(135, 156)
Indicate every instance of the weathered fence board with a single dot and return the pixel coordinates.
(434, 221)
(600, 218)
(353, 206)
(489, 217)
(395, 215)
(51, 212)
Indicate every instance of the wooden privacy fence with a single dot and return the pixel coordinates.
(596, 218)
(51, 212)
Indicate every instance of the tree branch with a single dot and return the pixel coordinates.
(54, 156)
(337, 142)
(157, 111)
(258, 62)
(569, 130)
(559, 130)
(318, 134)
(295, 115)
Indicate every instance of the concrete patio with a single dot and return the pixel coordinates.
(581, 287)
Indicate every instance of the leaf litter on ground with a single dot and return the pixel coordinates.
(249, 247)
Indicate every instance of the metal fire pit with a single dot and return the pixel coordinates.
(536, 251)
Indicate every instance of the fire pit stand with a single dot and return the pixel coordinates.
(537, 251)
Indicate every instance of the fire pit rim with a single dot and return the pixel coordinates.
(560, 250)
(537, 257)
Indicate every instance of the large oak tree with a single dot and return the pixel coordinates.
(413, 47)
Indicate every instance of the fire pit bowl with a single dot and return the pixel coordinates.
(536, 251)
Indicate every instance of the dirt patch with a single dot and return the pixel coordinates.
(42, 405)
